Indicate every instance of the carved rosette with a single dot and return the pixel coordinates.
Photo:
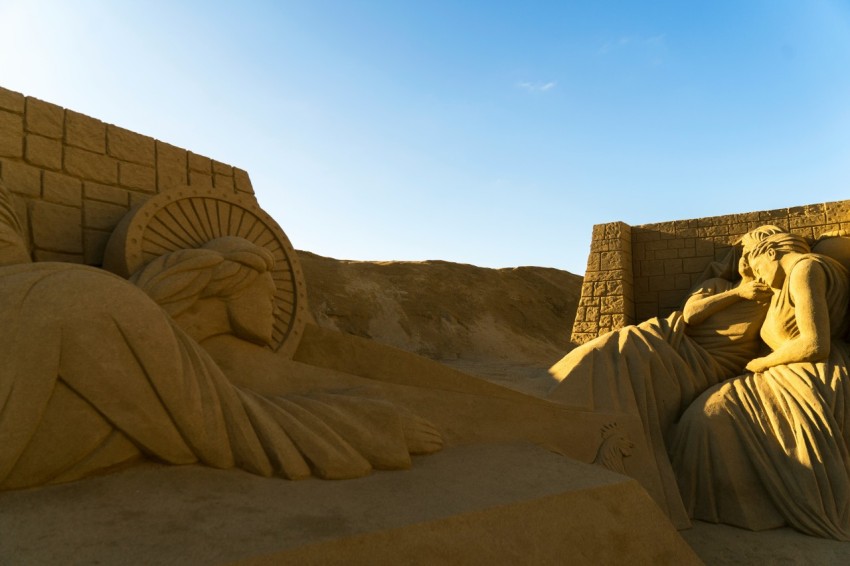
(188, 218)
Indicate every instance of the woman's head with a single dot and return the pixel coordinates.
(748, 242)
(753, 237)
(231, 270)
(766, 254)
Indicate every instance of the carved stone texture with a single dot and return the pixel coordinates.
(188, 218)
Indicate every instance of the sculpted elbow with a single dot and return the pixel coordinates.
(817, 351)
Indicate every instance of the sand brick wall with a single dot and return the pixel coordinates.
(668, 258)
(74, 177)
(607, 292)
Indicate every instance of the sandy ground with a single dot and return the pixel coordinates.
(724, 545)
(716, 545)
(502, 501)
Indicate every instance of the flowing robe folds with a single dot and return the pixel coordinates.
(656, 369)
(94, 374)
(767, 449)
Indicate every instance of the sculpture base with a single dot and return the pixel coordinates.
(487, 503)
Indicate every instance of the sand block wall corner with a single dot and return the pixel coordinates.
(637, 272)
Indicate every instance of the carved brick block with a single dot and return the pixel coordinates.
(11, 134)
(22, 179)
(85, 132)
(102, 215)
(91, 166)
(171, 166)
(130, 146)
(44, 118)
(43, 152)
(62, 189)
(242, 181)
(56, 227)
(137, 176)
(11, 100)
(106, 193)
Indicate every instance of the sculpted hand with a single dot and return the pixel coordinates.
(757, 365)
(422, 437)
(754, 290)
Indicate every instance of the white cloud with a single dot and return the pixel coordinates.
(654, 41)
(536, 87)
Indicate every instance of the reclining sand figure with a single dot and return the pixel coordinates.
(96, 375)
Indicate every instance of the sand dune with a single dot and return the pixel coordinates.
(508, 325)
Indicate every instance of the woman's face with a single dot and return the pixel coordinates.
(767, 269)
(252, 312)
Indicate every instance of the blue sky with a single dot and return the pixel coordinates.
(492, 133)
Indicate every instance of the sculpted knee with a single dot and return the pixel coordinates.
(709, 414)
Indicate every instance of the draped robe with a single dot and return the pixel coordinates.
(768, 449)
(657, 368)
(94, 375)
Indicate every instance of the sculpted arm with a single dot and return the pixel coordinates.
(701, 306)
(808, 289)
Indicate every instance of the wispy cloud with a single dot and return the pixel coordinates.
(536, 87)
(631, 40)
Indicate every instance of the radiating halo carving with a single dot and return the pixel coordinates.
(188, 218)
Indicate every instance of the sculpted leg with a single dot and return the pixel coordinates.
(716, 478)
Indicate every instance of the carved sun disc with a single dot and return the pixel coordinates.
(189, 218)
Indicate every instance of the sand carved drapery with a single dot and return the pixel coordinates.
(751, 439)
(97, 375)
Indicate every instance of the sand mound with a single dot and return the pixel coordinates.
(507, 324)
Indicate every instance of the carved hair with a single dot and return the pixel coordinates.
(222, 268)
(781, 243)
(751, 239)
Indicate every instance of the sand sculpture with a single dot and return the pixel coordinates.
(108, 370)
(188, 341)
(193, 344)
(744, 433)
(213, 298)
(187, 361)
(186, 353)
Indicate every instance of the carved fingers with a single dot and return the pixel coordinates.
(754, 290)
(421, 435)
(758, 365)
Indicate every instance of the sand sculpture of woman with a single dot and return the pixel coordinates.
(96, 375)
(751, 440)
(769, 447)
(657, 368)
